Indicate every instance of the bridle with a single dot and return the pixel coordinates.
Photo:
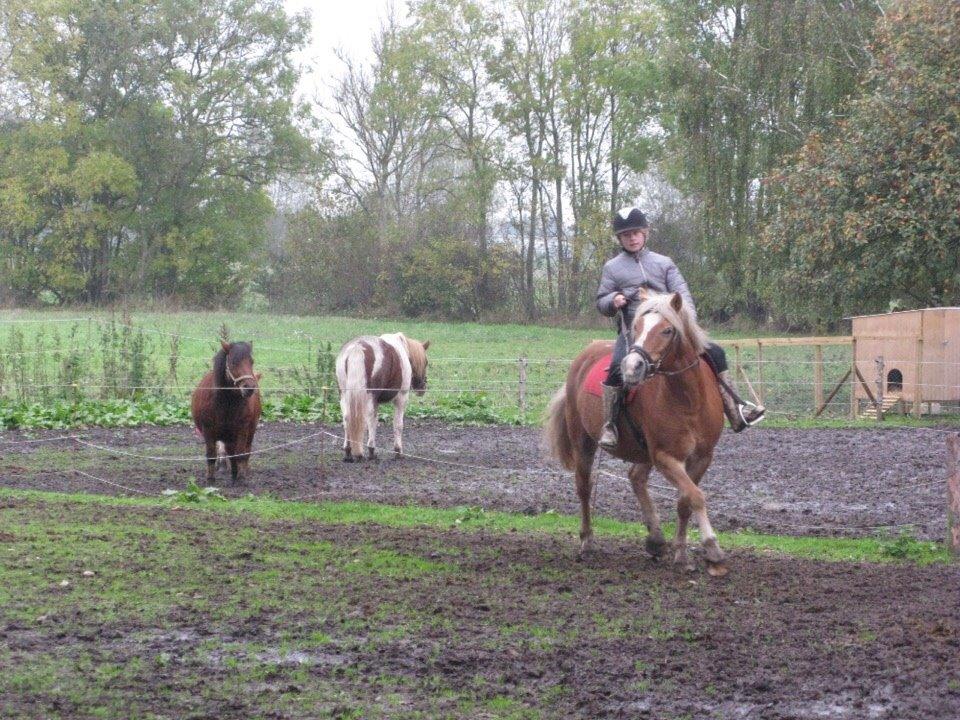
(655, 368)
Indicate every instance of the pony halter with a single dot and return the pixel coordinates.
(236, 380)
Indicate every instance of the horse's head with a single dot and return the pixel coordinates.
(664, 333)
(418, 364)
(237, 367)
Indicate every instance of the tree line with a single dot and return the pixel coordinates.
(799, 158)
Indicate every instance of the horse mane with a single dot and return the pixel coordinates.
(418, 356)
(683, 321)
(220, 369)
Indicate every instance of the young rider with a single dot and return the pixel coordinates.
(636, 267)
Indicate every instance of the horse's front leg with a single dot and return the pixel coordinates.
(234, 457)
(639, 474)
(211, 446)
(716, 565)
(371, 428)
(399, 406)
(691, 501)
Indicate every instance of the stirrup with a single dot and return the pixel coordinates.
(609, 446)
(757, 419)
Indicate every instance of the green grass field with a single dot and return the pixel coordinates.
(51, 357)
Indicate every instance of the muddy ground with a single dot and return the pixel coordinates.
(278, 623)
(500, 625)
(798, 482)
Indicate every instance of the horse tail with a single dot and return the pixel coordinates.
(352, 376)
(555, 433)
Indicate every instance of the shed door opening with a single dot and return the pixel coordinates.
(894, 381)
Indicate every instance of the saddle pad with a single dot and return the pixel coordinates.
(596, 376)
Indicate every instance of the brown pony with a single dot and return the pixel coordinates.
(676, 407)
(373, 370)
(226, 407)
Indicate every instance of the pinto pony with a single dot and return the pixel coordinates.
(226, 407)
(374, 370)
(672, 420)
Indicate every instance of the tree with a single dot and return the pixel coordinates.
(193, 97)
(743, 83)
(867, 214)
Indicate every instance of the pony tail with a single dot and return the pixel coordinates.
(355, 388)
(555, 433)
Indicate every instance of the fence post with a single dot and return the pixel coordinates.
(953, 494)
(918, 386)
(323, 427)
(522, 388)
(817, 377)
(738, 369)
(760, 372)
(879, 381)
(853, 379)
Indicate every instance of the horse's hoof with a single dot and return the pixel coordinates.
(712, 551)
(656, 547)
(371, 455)
(397, 454)
(717, 569)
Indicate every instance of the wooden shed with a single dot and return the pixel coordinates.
(920, 351)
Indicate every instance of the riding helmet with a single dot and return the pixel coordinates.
(628, 218)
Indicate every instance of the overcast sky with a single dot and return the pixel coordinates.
(347, 24)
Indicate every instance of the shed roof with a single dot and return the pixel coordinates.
(899, 312)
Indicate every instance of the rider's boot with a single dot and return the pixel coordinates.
(740, 413)
(612, 399)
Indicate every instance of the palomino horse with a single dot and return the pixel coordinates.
(373, 370)
(226, 407)
(675, 405)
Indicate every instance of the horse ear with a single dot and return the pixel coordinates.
(426, 344)
(643, 293)
(251, 346)
(676, 302)
(258, 376)
(225, 345)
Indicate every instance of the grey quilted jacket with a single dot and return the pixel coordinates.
(628, 272)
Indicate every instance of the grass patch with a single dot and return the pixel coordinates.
(873, 549)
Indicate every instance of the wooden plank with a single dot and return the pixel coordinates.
(866, 387)
(832, 393)
(953, 494)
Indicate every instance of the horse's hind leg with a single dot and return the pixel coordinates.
(639, 475)
(584, 480)
(696, 467)
(371, 429)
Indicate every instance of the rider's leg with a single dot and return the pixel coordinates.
(741, 414)
(613, 396)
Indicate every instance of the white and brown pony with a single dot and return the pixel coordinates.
(374, 370)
